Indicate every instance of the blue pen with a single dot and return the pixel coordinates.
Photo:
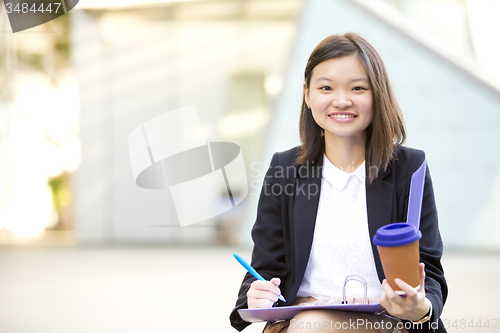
(252, 271)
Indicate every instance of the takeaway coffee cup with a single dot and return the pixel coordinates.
(397, 245)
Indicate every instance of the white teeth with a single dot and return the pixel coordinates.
(342, 116)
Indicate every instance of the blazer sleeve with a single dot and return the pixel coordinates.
(431, 246)
(268, 256)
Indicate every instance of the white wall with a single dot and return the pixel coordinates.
(133, 68)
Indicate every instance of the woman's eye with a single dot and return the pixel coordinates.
(358, 88)
(326, 88)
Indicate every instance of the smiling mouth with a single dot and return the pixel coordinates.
(342, 116)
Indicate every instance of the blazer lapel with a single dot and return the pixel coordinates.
(305, 211)
(379, 202)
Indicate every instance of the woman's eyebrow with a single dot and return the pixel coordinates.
(323, 78)
(360, 79)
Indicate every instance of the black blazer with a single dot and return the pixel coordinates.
(286, 216)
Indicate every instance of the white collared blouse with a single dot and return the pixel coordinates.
(341, 244)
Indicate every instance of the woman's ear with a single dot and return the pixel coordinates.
(306, 96)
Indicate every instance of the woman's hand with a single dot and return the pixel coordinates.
(263, 294)
(412, 307)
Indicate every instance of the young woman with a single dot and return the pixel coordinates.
(322, 202)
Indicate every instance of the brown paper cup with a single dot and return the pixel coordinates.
(401, 262)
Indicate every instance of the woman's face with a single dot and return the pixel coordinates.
(340, 98)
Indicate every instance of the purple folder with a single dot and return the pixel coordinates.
(416, 195)
(288, 312)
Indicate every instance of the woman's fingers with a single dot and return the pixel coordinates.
(384, 301)
(406, 288)
(422, 276)
(276, 281)
(260, 303)
(412, 305)
(263, 294)
(389, 292)
(394, 303)
(256, 293)
(266, 286)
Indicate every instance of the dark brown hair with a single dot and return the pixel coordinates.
(387, 130)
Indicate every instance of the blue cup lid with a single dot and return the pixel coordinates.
(396, 234)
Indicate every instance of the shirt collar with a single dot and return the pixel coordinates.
(339, 178)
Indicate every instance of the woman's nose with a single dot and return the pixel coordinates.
(341, 101)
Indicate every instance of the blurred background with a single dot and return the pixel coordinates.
(83, 249)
